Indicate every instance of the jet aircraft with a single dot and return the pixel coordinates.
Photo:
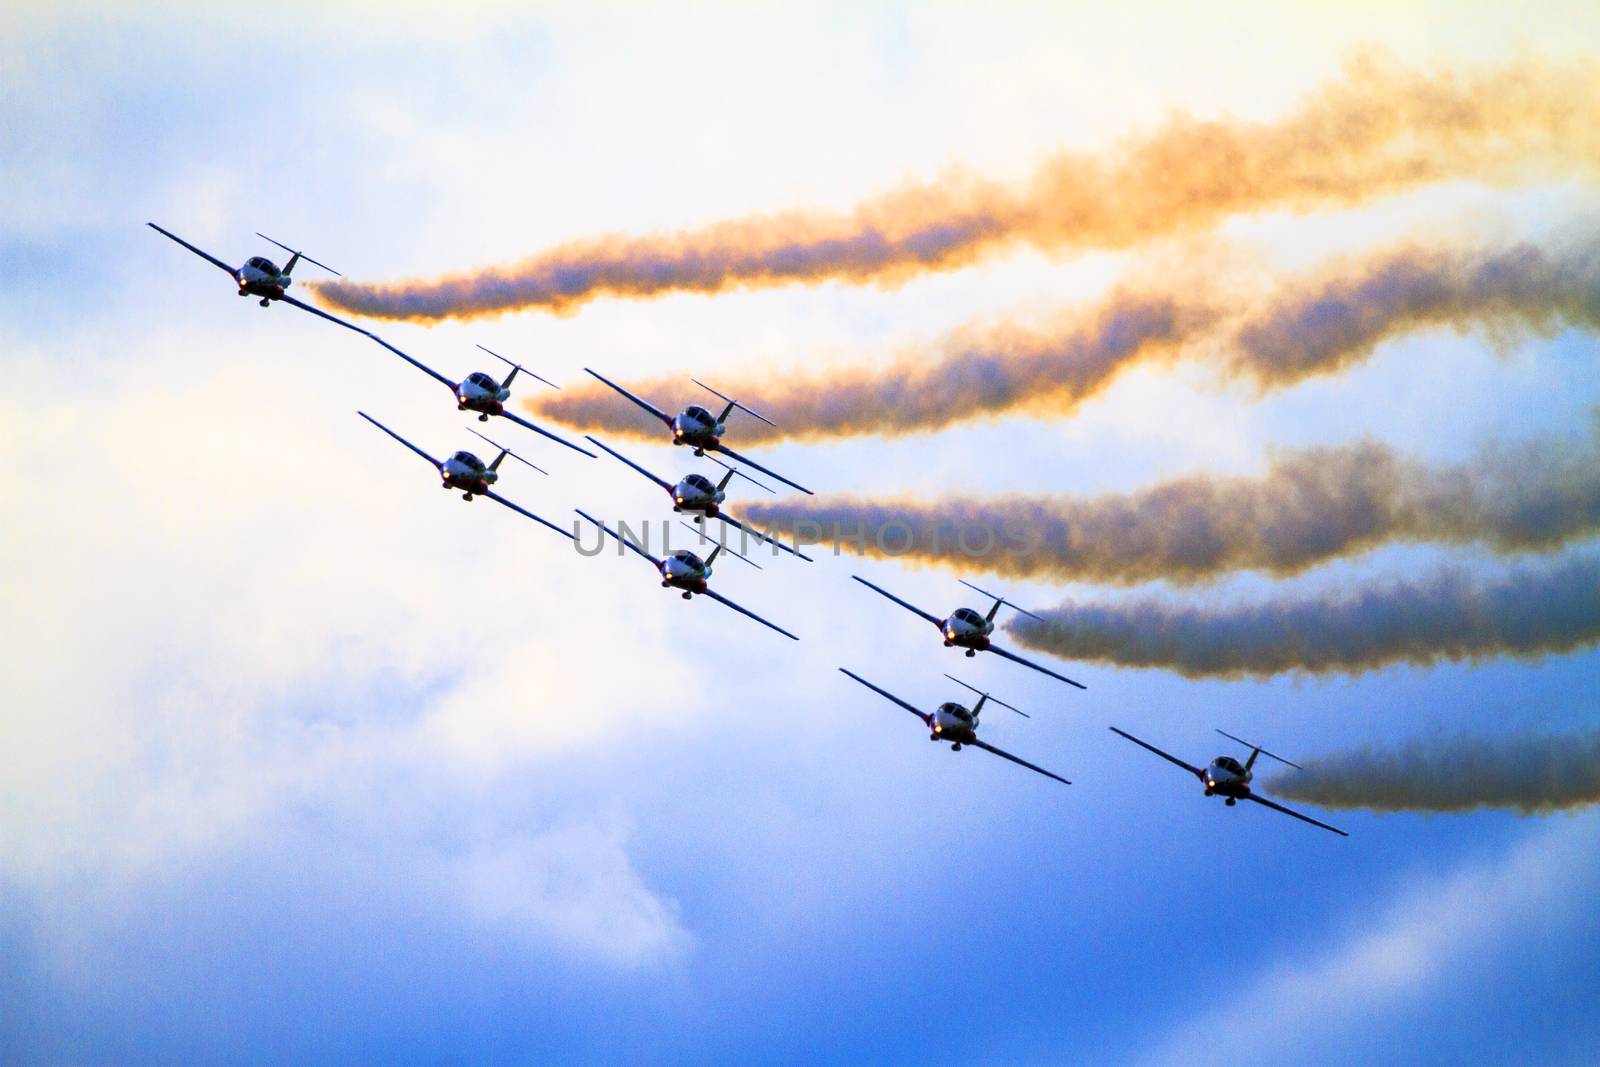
(686, 572)
(700, 497)
(967, 629)
(260, 277)
(954, 723)
(481, 393)
(1230, 778)
(471, 475)
(697, 428)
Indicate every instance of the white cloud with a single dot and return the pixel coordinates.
(240, 603)
(1436, 927)
(574, 884)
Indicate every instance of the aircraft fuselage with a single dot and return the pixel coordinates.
(467, 473)
(476, 396)
(696, 428)
(1225, 777)
(952, 723)
(689, 497)
(259, 277)
(965, 628)
(685, 570)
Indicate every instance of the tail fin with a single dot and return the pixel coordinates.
(515, 367)
(998, 600)
(732, 470)
(985, 697)
(1257, 750)
(732, 403)
(720, 546)
(504, 452)
(296, 256)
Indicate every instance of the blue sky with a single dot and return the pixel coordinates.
(308, 761)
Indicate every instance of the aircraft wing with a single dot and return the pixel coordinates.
(1013, 657)
(520, 421)
(719, 598)
(1196, 771)
(192, 248)
(888, 696)
(620, 539)
(651, 408)
(302, 305)
(1019, 762)
(492, 495)
(662, 482)
(726, 451)
(1290, 811)
(897, 600)
(765, 539)
(423, 367)
(436, 464)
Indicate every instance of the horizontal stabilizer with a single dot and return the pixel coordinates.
(1000, 600)
(299, 254)
(734, 402)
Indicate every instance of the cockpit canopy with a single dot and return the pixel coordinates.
(1229, 764)
(262, 263)
(483, 381)
(701, 483)
(955, 710)
(683, 555)
(967, 615)
(696, 413)
(467, 459)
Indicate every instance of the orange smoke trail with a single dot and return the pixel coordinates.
(1309, 507)
(1319, 323)
(1378, 129)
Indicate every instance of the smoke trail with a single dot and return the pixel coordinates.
(1529, 611)
(1328, 323)
(1527, 774)
(1310, 506)
(1317, 323)
(1378, 129)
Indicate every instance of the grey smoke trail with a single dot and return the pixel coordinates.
(1526, 774)
(1338, 319)
(1530, 610)
(1310, 506)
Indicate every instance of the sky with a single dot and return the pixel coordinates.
(306, 761)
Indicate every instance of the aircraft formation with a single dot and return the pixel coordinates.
(694, 494)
